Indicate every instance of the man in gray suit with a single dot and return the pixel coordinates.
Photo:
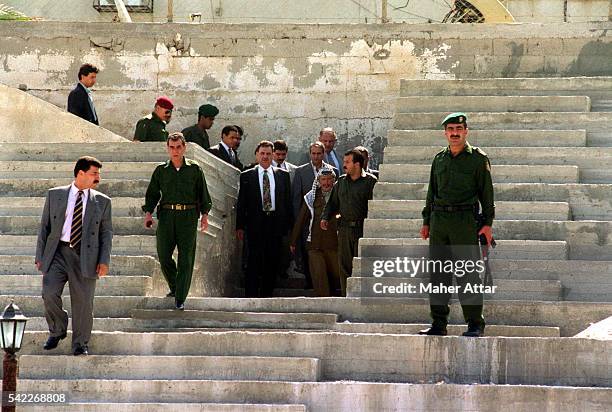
(302, 184)
(74, 246)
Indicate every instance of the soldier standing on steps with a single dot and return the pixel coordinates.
(152, 127)
(179, 186)
(460, 178)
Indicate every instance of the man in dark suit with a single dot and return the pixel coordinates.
(74, 245)
(302, 183)
(226, 149)
(80, 102)
(264, 214)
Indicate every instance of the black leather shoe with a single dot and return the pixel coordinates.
(170, 294)
(81, 350)
(53, 341)
(180, 305)
(434, 331)
(474, 331)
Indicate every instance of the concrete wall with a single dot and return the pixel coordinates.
(284, 80)
(315, 11)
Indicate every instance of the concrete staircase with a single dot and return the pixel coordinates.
(359, 353)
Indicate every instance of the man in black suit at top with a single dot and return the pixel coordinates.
(80, 102)
(264, 213)
(226, 149)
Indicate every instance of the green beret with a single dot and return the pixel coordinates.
(208, 110)
(457, 117)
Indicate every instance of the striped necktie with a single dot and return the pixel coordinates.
(77, 222)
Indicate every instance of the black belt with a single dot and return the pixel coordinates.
(67, 244)
(177, 206)
(269, 213)
(456, 208)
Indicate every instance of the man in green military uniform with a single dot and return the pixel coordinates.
(197, 133)
(179, 187)
(152, 127)
(460, 179)
(349, 197)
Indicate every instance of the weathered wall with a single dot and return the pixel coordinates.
(315, 11)
(285, 80)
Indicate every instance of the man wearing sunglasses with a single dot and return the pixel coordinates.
(152, 127)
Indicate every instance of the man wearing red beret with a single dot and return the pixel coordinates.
(152, 127)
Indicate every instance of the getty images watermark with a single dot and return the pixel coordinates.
(422, 277)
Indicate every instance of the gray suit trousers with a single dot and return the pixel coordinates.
(66, 267)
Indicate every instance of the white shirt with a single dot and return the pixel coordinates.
(270, 171)
(282, 165)
(72, 196)
(229, 151)
(90, 99)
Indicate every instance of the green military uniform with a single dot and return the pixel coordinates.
(196, 135)
(151, 129)
(349, 198)
(177, 228)
(456, 186)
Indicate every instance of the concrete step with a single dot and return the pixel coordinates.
(589, 121)
(408, 287)
(586, 239)
(33, 206)
(292, 369)
(506, 249)
(419, 173)
(329, 396)
(47, 170)
(120, 265)
(492, 138)
(453, 330)
(493, 103)
(504, 210)
(567, 86)
(587, 201)
(122, 245)
(106, 286)
(352, 356)
(165, 406)
(133, 325)
(215, 319)
(570, 317)
(29, 225)
(581, 280)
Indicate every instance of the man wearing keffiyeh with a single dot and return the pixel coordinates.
(322, 246)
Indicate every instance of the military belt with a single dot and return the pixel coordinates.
(177, 206)
(456, 208)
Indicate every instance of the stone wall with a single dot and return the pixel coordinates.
(284, 81)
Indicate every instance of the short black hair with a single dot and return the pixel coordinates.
(357, 156)
(227, 129)
(240, 131)
(84, 163)
(280, 145)
(176, 136)
(87, 68)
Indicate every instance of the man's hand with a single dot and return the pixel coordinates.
(240, 234)
(102, 269)
(424, 232)
(292, 249)
(38, 266)
(204, 223)
(148, 221)
(488, 232)
(324, 224)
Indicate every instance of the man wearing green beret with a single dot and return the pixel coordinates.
(198, 132)
(152, 127)
(460, 182)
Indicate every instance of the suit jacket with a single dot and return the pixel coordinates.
(249, 211)
(291, 169)
(328, 159)
(302, 184)
(78, 104)
(97, 238)
(219, 151)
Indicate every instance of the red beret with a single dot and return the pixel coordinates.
(164, 102)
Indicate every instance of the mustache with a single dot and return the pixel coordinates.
(455, 135)
(96, 182)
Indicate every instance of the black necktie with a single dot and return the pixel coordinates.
(77, 222)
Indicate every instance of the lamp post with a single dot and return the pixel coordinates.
(12, 326)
